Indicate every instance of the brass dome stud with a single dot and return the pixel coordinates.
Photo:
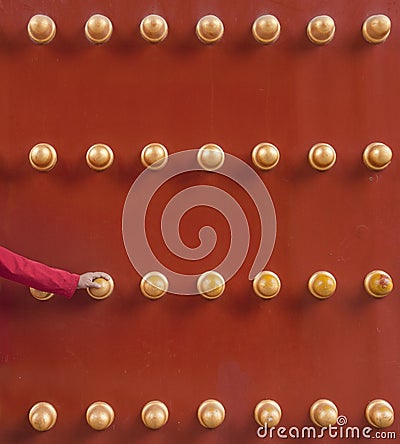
(322, 284)
(106, 289)
(378, 283)
(40, 295)
(379, 413)
(266, 29)
(210, 285)
(376, 28)
(321, 29)
(98, 29)
(154, 156)
(322, 156)
(211, 414)
(43, 157)
(377, 156)
(266, 284)
(268, 413)
(210, 157)
(42, 416)
(155, 415)
(100, 415)
(154, 285)
(41, 29)
(209, 29)
(99, 157)
(154, 28)
(324, 413)
(265, 156)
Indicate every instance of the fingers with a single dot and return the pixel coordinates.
(101, 274)
(92, 284)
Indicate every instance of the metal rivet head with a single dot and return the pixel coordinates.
(322, 284)
(42, 416)
(99, 157)
(211, 285)
(154, 28)
(379, 413)
(321, 29)
(154, 156)
(100, 415)
(155, 415)
(265, 156)
(40, 295)
(154, 285)
(322, 156)
(211, 414)
(98, 29)
(268, 413)
(378, 283)
(266, 284)
(209, 29)
(105, 290)
(266, 29)
(376, 29)
(43, 157)
(210, 157)
(377, 156)
(41, 29)
(324, 413)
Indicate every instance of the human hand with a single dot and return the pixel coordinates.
(86, 279)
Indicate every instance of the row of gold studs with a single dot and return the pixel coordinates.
(266, 29)
(211, 414)
(265, 156)
(266, 285)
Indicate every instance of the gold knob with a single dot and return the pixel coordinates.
(154, 156)
(98, 29)
(268, 413)
(42, 416)
(377, 156)
(322, 284)
(104, 291)
(378, 283)
(40, 295)
(155, 415)
(322, 156)
(265, 156)
(43, 157)
(154, 285)
(321, 29)
(154, 28)
(211, 414)
(211, 285)
(324, 413)
(99, 157)
(210, 157)
(266, 29)
(266, 284)
(376, 29)
(379, 413)
(100, 415)
(41, 29)
(209, 29)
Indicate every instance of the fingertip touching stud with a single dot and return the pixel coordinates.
(42, 416)
(41, 29)
(379, 413)
(209, 29)
(322, 284)
(154, 28)
(322, 156)
(268, 413)
(155, 415)
(377, 156)
(210, 157)
(98, 29)
(100, 415)
(266, 29)
(43, 157)
(321, 29)
(211, 414)
(105, 290)
(378, 283)
(266, 284)
(154, 285)
(154, 156)
(99, 157)
(211, 285)
(324, 413)
(376, 28)
(265, 156)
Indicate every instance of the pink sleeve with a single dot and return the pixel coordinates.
(36, 275)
